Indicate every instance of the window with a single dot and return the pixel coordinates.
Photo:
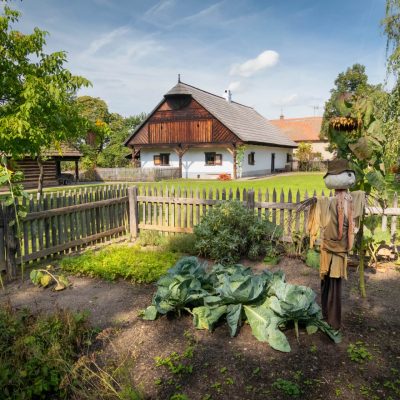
(251, 160)
(288, 158)
(161, 159)
(213, 159)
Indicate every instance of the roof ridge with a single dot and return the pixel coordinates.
(291, 119)
(213, 94)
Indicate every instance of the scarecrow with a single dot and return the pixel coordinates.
(336, 219)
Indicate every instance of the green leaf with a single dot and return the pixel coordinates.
(150, 313)
(277, 339)
(35, 276)
(259, 318)
(206, 317)
(376, 180)
(234, 318)
(311, 328)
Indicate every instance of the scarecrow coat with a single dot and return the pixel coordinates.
(335, 218)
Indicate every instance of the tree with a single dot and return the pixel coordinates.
(115, 152)
(304, 154)
(391, 25)
(37, 93)
(37, 107)
(95, 135)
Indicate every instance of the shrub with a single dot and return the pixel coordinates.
(37, 352)
(184, 243)
(126, 262)
(229, 231)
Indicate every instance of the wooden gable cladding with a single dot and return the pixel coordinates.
(191, 123)
(199, 131)
(221, 134)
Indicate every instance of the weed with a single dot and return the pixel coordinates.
(151, 238)
(256, 371)
(217, 386)
(223, 370)
(179, 396)
(358, 352)
(288, 387)
(313, 349)
(229, 381)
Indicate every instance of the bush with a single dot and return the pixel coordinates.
(229, 231)
(37, 353)
(184, 243)
(126, 262)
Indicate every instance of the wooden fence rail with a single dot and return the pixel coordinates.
(66, 222)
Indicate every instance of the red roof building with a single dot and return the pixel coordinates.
(305, 129)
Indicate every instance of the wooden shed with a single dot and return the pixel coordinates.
(51, 165)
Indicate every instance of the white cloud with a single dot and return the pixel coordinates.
(106, 39)
(236, 87)
(266, 59)
(159, 8)
(287, 100)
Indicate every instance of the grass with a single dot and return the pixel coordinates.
(127, 262)
(299, 181)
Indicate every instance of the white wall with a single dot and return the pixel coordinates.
(262, 165)
(193, 162)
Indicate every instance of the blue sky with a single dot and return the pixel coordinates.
(273, 54)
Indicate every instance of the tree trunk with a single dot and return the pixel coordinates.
(41, 176)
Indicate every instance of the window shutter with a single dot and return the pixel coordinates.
(218, 159)
(157, 159)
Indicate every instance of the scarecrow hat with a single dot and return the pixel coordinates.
(336, 167)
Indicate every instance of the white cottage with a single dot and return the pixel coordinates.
(202, 134)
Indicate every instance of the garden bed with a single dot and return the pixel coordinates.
(204, 365)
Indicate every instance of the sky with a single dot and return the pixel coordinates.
(274, 55)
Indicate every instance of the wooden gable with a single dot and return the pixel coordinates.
(182, 120)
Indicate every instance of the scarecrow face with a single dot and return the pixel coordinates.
(344, 180)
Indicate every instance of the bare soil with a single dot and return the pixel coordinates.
(241, 367)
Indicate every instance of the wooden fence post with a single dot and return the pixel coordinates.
(11, 242)
(250, 200)
(133, 212)
(393, 227)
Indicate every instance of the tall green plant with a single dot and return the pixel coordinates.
(357, 135)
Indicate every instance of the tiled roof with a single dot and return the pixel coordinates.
(245, 122)
(300, 129)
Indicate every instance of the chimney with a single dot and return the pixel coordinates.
(228, 96)
(281, 116)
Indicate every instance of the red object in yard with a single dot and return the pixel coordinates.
(224, 177)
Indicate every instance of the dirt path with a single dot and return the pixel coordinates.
(242, 367)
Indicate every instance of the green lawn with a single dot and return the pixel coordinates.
(296, 181)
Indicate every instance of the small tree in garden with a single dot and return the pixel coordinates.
(304, 154)
(37, 107)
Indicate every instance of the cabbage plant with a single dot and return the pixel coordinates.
(234, 293)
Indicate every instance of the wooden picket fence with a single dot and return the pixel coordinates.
(64, 222)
